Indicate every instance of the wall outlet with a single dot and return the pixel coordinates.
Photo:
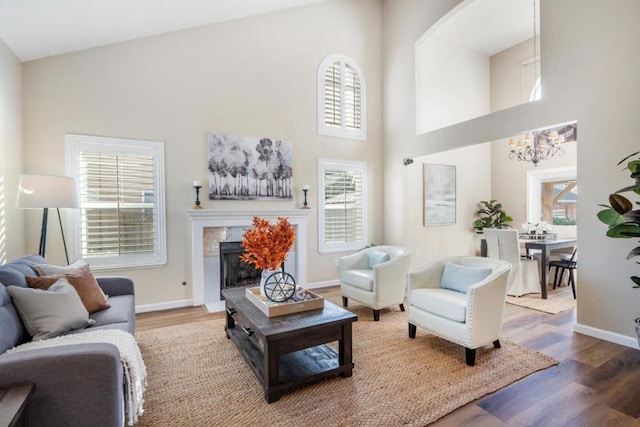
(337, 262)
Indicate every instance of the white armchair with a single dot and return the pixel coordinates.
(472, 319)
(375, 277)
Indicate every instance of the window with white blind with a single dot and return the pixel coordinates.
(121, 220)
(342, 201)
(341, 98)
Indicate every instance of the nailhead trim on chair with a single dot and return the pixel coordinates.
(472, 291)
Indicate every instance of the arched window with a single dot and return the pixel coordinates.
(341, 98)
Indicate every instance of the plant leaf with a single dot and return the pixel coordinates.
(628, 157)
(627, 188)
(633, 217)
(620, 204)
(610, 217)
(619, 231)
(634, 252)
(634, 167)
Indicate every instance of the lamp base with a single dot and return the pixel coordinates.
(196, 207)
(305, 207)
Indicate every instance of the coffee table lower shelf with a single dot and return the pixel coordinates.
(294, 369)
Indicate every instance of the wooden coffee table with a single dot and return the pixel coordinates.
(291, 350)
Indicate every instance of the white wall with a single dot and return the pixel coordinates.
(511, 81)
(473, 183)
(593, 70)
(11, 219)
(589, 68)
(254, 77)
(453, 83)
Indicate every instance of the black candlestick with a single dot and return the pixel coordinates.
(197, 206)
(305, 206)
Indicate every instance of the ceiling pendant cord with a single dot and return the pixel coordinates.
(535, 47)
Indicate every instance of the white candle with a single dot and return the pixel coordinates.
(196, 184)
(305, 187)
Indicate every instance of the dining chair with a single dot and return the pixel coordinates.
(561, 265)
(524, 277)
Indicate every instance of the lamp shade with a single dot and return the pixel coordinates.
(47, 191)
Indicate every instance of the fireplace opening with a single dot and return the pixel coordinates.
(235, 273)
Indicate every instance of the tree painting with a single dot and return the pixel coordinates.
(246, 168)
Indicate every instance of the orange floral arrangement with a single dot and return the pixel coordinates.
(267, 245)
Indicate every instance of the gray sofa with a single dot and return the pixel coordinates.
(75, 385)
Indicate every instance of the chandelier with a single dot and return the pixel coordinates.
(536, 146)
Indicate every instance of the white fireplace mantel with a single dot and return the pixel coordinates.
(202, 218)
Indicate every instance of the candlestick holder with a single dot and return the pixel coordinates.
(305, 205)
(197, 187)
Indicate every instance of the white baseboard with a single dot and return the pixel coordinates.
(215, 306)
(164, 305)
(606, 335)
(327, 284)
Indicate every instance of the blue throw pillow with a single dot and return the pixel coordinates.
(458, 278)
(377, 257)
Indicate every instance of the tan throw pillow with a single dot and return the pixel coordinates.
(41, 282)
(83, 282)
(87, 287)
(47, 314)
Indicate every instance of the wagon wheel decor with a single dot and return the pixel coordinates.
(279, 287)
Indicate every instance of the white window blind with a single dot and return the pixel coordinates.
(352, 98)
(332, 91)
(343, 207)
(341, 104)
(121, 219)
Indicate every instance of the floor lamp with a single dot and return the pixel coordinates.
(48, 191)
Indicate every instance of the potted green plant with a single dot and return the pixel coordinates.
(492, 215)
(622, 219)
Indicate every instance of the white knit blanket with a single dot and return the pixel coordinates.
(135, 371)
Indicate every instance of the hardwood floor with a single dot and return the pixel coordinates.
(597, 383)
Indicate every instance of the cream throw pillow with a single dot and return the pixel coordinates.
(52, 270)
(47, 314)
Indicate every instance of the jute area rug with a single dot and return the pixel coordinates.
(558, 300)
(197, 377)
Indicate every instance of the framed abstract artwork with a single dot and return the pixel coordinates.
(439, 194)
(249, 168)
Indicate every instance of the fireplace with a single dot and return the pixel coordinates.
(205, 273)
(235, 273)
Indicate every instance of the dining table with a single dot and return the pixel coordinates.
(545, 246)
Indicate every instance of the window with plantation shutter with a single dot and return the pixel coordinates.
(120, 222)
(341, 98)
(341, 198)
